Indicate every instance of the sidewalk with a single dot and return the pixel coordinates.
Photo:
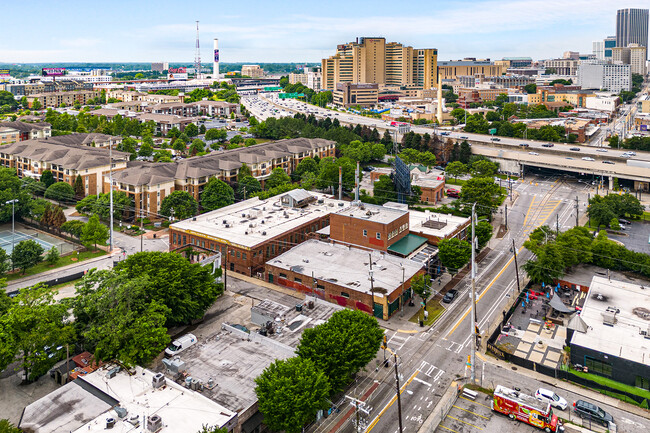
(567, 386)
(43, 276)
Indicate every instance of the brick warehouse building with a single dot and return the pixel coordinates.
(253, 231)
(341, 274)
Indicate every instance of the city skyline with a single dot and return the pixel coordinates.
(276, 33)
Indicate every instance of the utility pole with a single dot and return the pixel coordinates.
(340, 183)
(13, 227)
(402, 303)
(514, 251)
(372, 287)
(225, 271)
(110, 194)
(506, 217)
(141, 230)
(244, 193)
(473, 322)
(557, 223)
(399, 400)
(577, 211)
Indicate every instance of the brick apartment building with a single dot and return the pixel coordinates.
(147, 182)
(30, 158)
(29, 131)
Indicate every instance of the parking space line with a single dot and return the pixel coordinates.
(465, 422)
(469, 411)
(447, 428)
(472, 401)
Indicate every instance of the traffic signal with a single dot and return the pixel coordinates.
(384, 345)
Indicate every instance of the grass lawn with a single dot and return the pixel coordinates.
(613, 384)
(63, 261)
(261, 140)
(435, 311)
(453, 181)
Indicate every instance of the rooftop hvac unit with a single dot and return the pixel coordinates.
(158, 380)
(609, 318)
(263, 233)
(112, 372)
(194, 384)
(134, 420)
(154, 423)
(110, 423)
(225, 221)
(121, 412)
(193, 218)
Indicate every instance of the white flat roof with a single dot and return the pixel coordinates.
(268, 219)
(372, 212)
(347, 266)
(180, 408)
(624, 339)
(447, 224)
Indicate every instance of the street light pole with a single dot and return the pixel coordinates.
(473, 314)
(13, 226)
(110, 195)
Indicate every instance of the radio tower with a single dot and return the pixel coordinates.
(197, 54)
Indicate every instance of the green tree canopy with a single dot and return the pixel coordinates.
(180, 203)
(26, 254)
(456, 169)
(33, 322)
(454, 253)
(484, 168)
(484, 192)
(191, 130)
(248, 186)
(342, 346)
(47, 178)
(118, 319)
(94, 232)
(187, 289)
(73, 227)
(290, 392)
(216, 194)
(307, 165)
(62, 192)
(278, 177)
(483, 231)
(384, 190)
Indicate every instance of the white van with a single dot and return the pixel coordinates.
(179, 345)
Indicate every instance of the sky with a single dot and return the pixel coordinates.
(298, 31)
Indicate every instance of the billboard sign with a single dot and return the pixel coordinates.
(4, 72)
(177, 70)
(216, 55)
(644, 127)
(177, 76)
(53, 72)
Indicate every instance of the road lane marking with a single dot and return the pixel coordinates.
(469, 411)
(423, 382)
(465, 422)
(472, 401)
(390, 403)
(447, 428)
(483, 293)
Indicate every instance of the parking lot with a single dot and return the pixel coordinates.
(636, 237)
(473, 416)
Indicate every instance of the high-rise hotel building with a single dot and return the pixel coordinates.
(373, 60)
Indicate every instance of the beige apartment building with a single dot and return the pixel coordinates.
(374, 61)
(31, 157)
(149, 183)
(8, 135)
(450, 70)
(57, 99)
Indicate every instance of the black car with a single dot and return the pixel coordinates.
(548, 145)
(450, 296)
(368, 168)
(575, 149)
(524, 144)
(464, 137)
(590, 411)
(495, 139)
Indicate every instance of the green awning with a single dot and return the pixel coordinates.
(407, 245)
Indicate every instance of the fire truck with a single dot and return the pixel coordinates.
(525, 408)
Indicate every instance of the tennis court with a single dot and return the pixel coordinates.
(7, 243)
(23, 233)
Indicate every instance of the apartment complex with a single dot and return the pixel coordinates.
(597, 74)
(349, 94)
(8, 135)
(28, 131)
(59, 99)
(450, 70)
(61, 85)
(164, 122)
(30, 158)
(374, 61)
(573, 95)
(632, 27)
(150, 183)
